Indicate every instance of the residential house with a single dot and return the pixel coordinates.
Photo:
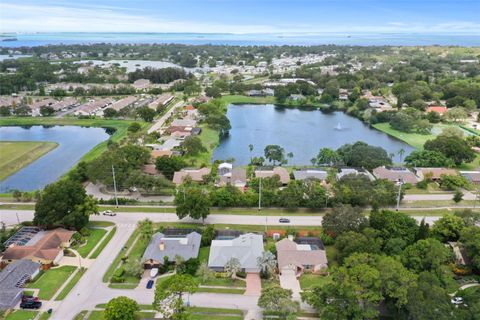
(12, 280)
(395, 174)
(472, 176)
(64, 104)
(281, 172)
(122, 103)
(46, 247)
(228, 175)
(437, 109)
(161, 101)
(142, 84)
(154, 154)
(92, 107)
(194, 174)
(183, 123)
(171, 246)
(246, 248)
(150, 169)
(346, 171)
(308, 174)
(296, 97)
(435, 174)
(305, 254)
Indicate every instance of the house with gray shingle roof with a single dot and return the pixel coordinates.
(161, 245)
(246, 248)
(12, 280)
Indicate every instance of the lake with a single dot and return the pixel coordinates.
(298, 131)
(73, 143)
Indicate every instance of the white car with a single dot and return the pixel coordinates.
(109, 213)
(457, 300)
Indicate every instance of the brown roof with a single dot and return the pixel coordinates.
(160, 153)
(395, 174)
(150, 169)
(437, 109)
(195, 174)
(290, 253)
(48, 247)
(237, 178)
(435, 172)
(281, 172)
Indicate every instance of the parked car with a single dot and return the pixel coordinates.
(109, 213)
(457, 300)
(27, 297)
(150, 284)
(30, 304)
(284, 220)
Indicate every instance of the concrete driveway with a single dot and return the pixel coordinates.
(288, 280)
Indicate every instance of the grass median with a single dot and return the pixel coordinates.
(104, 243)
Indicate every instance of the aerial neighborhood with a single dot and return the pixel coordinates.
(213, 181)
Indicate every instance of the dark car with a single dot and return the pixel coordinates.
(30, 304)
(284, 220)
(150, 284)
(27, 297)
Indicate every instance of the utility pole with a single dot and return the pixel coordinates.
(400, 183)
(260, 195)
(114, 186)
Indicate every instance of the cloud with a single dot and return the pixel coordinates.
(84, 18)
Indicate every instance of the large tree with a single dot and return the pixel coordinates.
(394, 225)
(425, 255)
(169, 296)
(192, 146)
(275, 299)
(470, 239)
(448, 227)
(192, 201)
(428, 158)
(64, 203)
(327, 156)
(344, 218)
(274, 153)
(121, 308)
(167, 166)
(452, 147)
(362, 155)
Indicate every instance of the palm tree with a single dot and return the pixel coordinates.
(401, 152)
(250, 147)
(232, 266)
(267, 262)
(146, 229)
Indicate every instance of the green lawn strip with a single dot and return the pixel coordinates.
(221, 290)
(80, 315)
(51, 280)
(118, 258)
(28, 292)
(96, 315)
(214, 317)
(210, 140)
(104, 243)
(71, 284)
(215, 310)
(100, 224)
(22, 315)
(44, 316)
(203, 254)
(14, 155)
(92, 240)
(308, 281)
(435, 203)
(239, 99)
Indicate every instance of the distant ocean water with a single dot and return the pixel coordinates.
(362, 39)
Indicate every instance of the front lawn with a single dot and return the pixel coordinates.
(203, 254)
(309, 280)
(104, 243)
(71, 284)
(22, 315)
(92, 240)
(50, 281)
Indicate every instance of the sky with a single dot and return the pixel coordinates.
(247, 16)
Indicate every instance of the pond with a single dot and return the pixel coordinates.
(73, 143)
(301, 132)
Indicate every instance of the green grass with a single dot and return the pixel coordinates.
(414, 139)
(80, 315)
(215, 310)
(210, 140)
(239, 99)
(214, 317)
(93, 238)
(308, 281)
(70, 285)
(15, 155)
(22, 315)
(123, 285)
(44, 316)
(222, 290)
(50, 281)
(100, 224)
(96, 315)
(121, 127)
(226, 282)
(203, 254)
(104, 243)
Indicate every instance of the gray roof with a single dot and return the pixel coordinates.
(186, 246)
(310, 174)
(12, 279)
(246, 248)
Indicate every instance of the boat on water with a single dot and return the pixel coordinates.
(10, 39)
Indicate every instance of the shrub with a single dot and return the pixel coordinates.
(326, 239)
(118, 276)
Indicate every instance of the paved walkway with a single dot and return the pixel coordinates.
(288, 280)
(254, 284)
